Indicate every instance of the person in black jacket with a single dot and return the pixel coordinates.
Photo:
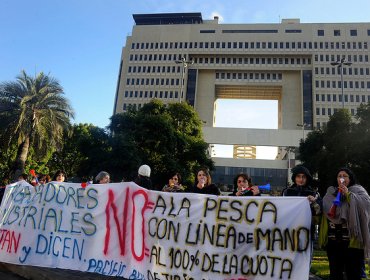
(302, 180)
(203, 183)
(243, 186)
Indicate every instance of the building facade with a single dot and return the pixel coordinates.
(182, 57)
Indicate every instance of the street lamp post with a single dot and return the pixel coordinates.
(340, 64)
(185, 64)
(303, 126)
(288, 151)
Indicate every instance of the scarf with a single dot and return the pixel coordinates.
(354, 211)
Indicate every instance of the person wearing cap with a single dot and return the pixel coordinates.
(143, 178)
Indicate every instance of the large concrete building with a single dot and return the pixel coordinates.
(181, 56)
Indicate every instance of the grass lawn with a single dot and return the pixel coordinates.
(320, 265)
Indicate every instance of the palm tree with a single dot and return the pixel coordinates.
(34, 113)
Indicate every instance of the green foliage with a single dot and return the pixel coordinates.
(7, 157)
(342, 142)
(360, 145)
(34, 121)
(168, 138)
(320, 264)
(33, 113)
(85, 152)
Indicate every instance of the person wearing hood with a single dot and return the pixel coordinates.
(302, 180)
(344, 229)
(143, 177)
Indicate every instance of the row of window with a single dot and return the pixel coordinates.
(154, 69)
(320, 32)
(338, 57)
(338, 84)
(133, 106)
(330, 111)
(337, 32)
(151, 94)
(215, 60)
(250, 45)
(248, 76)
(153, 81)
(252, 60)
(333, 98)
(346, 71)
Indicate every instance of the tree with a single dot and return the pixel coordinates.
(341, 143)
(85, 152)
(360, 151)
(168, 138)
(33, 113)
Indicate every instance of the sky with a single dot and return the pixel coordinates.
(79, 42)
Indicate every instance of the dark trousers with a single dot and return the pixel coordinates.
(344, 259)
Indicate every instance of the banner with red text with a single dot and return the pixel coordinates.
(121, 229)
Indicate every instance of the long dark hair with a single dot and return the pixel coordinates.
(352, 177)
(58, 173)
(206, 172)
(173, 174)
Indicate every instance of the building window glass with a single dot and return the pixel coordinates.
(320, 32)
(336, 32)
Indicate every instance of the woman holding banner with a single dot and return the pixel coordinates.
(174, 184)
(60, 176)
(203, 183)
(243, 186)
(302, 179)
(344, 227)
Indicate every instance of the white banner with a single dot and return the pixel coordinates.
(124, 230)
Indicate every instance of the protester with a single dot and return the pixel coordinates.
(203, 183)
(60, 176)
(302, 180)
(344, 230)
(174, 184)
(143, 177)
(103, 177)
(243, 186)
(43, 178)
(23, 176)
